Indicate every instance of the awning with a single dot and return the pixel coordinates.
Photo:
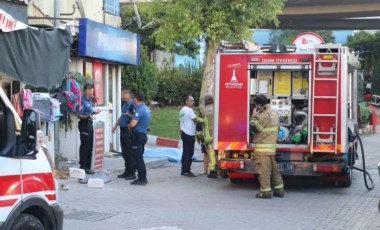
(38, 57)
(17, 10)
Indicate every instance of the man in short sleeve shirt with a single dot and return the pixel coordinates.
(85, 129)
(187, 120)
(127, 112)
(139, 125)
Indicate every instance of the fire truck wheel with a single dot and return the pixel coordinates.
(236, 180)
(346, 182)
(26, 221)
(379, 206)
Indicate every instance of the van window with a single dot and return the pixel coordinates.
(3, 123)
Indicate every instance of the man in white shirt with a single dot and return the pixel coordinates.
(187, 120)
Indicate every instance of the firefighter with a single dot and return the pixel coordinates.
(266, 124)
(207, 113)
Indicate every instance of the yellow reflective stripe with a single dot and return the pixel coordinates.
(265, 190)
(280, 186)
(257, 125)
(265, 145)
(270, 129)
(265, 148)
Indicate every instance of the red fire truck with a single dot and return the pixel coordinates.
(315, 96)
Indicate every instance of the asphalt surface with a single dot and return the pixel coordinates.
(174, 202)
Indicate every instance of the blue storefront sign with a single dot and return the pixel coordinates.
(105, 42)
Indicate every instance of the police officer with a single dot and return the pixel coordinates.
(127, 110)
(266, 123)
(86, 130)
(139, 125)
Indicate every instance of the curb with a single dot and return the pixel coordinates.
(161, 141)
(167, 142)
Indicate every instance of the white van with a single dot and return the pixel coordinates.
(28, 189)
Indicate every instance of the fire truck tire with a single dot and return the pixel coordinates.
(236, 180)
(379, 206)
(27, 221)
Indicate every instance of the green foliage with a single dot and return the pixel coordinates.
(286, 36)
(166, 86)
(147, 39)
(186, 20)
(175, 83)
(143, 77)
(365, 114)
(368, 46)
(164, 122)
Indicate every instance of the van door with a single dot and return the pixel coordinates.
(10, 165)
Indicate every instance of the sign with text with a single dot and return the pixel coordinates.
(305, 41)
(105, 42)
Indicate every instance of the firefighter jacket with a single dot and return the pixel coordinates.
(208, 112)
(266, 124)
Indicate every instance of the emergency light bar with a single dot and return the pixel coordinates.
(278, 48)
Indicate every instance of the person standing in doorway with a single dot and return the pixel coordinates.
(187, 120)
(86, 129)
(127, 112)
(140, 125)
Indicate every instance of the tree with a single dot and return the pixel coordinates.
(183, 21)
(143, 77)
(368, 47)
(286, 36)
(147, 39)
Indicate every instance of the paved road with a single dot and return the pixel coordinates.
(173, 202)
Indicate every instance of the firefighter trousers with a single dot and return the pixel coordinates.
(269, 174)
(211, 157)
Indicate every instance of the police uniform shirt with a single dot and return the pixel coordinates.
(127, 107)
(142, 116)
(86, 106)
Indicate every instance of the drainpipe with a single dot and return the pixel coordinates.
(56, 13)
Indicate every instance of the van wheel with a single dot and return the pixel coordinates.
(26, 221)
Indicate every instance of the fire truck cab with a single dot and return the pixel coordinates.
(315, 96)
(28, 191)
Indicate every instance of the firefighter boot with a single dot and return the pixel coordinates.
(264, 195)
(279, 193)
(213, 174)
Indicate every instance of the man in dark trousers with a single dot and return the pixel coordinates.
(127, 112)
(187, 120)
(86, 130)
(139, 125)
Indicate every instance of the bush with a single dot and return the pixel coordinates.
(364, 114)
(175, 83)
